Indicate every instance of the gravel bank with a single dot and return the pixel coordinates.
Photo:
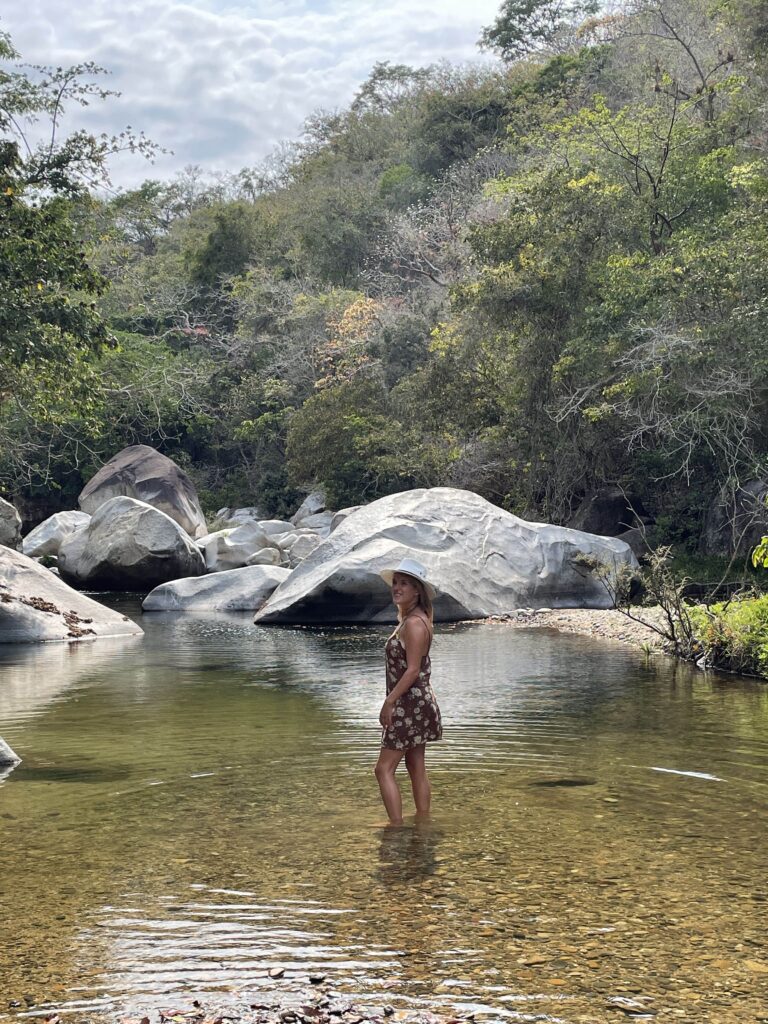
(605, 623)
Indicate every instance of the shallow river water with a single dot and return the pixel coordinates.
(196, 806)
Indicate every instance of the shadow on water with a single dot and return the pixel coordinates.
(408, 853)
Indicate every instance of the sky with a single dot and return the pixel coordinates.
(222, 83)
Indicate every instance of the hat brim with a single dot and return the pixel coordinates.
(388, 574)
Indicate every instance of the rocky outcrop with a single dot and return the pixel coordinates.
(47, 538)
(142, 473)
(36, 606)
(483, 561)
(129, 545)
(236, 590)
(10, 525)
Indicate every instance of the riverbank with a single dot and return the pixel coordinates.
(602, 623)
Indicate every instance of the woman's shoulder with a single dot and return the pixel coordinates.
(417, 626)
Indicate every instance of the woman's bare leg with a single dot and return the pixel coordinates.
(415, 762)
(385, 770)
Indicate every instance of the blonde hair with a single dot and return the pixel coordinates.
(423, 601)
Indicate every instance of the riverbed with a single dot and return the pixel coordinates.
(195, 809)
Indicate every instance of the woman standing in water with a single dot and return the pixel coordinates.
(410, 717)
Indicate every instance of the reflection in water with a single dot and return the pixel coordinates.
(194, 808)
(408, 853)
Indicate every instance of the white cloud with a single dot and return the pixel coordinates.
(222, 83)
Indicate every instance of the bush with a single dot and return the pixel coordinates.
(734, 635)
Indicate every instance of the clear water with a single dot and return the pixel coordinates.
(196, 807)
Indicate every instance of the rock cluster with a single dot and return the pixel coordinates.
(141, 529)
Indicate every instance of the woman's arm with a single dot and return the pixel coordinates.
(416, 642)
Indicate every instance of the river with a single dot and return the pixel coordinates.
(196, 806)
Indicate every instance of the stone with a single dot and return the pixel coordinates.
(274, 526)
(36, 606)
(141, 472)
(46, 539)
(10, 525)
(484, 561)
(231, 549)
(129, 545)
(318, 521)
(234, 590)
(231, 518)
(313, 503)
(7, 756)
(343, 513)
(302, 547)
(267, 556)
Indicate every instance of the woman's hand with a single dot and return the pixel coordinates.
(387, 713)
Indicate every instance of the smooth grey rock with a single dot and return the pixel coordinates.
(36, 606)
(7, 757)
(318, 521)
(274, 526)
(235, 590)
(129, 545)
(46, 539)
(341, 515)
(267, 556)
(285, 540)
(231, 549)
(10, 525)
(313, 503)
(231, 518)
(484, 561)
(141, 472)
(301, 548)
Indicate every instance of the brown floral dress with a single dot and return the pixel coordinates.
(416, 717)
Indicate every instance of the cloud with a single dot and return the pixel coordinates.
(223, 83)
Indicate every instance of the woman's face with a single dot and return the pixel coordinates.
(404, 590)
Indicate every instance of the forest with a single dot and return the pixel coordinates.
(535, 277)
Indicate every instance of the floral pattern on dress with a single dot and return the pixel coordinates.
(416, 718)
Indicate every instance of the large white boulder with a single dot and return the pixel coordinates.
(483, 561)
(10, 525)
(46, 539)
(231, 549)
(35, 605)
(141, 472)
(129, 545)
(235, 590)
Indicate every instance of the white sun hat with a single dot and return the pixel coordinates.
(410, 567)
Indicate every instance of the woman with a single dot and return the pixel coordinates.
(409, 716)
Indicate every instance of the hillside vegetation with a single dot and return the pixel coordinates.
(532, 278)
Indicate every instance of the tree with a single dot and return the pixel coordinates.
(49, 324)
(523, 26)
